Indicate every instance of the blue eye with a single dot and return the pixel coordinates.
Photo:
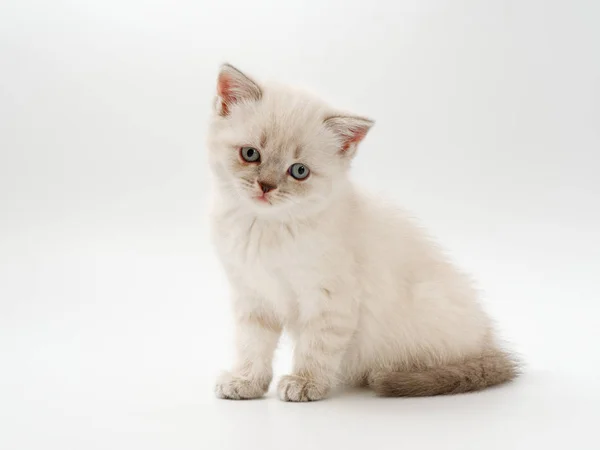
(250, 154)
(298, 171)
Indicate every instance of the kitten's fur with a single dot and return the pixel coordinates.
(367, 298)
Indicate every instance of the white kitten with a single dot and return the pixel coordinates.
(367, 298)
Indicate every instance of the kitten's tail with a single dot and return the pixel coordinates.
(490, 368)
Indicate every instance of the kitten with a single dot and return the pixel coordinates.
(366, 297)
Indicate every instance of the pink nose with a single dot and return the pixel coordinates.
(266, 187)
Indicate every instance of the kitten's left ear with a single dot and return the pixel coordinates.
(234, 87)
(351, 131)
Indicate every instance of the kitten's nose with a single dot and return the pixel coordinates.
(266, 187)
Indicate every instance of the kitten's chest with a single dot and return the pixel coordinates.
(274, 259)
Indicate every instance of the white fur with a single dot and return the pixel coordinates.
(358, 286)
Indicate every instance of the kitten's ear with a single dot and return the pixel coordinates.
(234, 87)
(350, 130)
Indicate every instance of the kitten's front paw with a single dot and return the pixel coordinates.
(293, 388)
(234, 387)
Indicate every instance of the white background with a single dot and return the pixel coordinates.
(114, 317)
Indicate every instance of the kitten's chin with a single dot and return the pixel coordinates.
(262, 205)
(268, 207)
(259, 204)
(276, 208)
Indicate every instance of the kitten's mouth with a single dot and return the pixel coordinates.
(262, 198)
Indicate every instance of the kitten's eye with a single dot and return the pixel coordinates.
(250, 154)
(298, 171)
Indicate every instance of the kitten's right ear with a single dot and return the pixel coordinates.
(350, 130)
(234, 87)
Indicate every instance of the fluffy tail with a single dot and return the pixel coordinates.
(491, 368)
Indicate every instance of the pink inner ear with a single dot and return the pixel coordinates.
(357, 135)
(225, 92)
(224, 86)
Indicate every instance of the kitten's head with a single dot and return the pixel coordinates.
(276, 150)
